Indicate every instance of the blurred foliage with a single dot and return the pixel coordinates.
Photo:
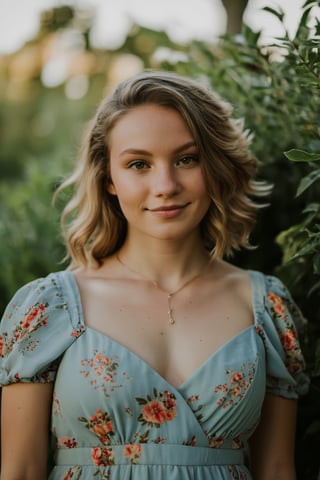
(56, 19)
(274, 87)
(277, 90)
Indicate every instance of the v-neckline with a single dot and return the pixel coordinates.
(76, 292)
(191, 377)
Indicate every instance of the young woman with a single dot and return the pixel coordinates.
(151, 357)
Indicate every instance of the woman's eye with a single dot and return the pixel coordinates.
(188, 160)
(138, 165)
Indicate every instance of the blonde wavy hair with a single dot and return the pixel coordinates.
(92, 220)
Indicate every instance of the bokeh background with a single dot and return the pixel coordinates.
(59, 58)
(111, 20)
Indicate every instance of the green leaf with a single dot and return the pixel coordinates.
(310, 2)
(250, 35)
(307, 181)
(312, 208)
(306, 249)
(278, 14)
(302, 27)
(296, 155)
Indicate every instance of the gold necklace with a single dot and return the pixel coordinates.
(169, 294)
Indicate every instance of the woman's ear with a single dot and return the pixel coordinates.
(111, 189)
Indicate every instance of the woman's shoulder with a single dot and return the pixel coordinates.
(269, 291)
(279, 321)
(229, 271)
(233, 278)
(57, 291)
(40, 322)
(52, 301)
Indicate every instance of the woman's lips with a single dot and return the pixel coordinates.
(168, 211)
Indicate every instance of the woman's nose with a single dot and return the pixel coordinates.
(166, 182)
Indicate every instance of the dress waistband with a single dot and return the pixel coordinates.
(149, 454)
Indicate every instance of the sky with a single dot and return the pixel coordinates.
(182, 19)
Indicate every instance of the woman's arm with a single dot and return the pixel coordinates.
(272, 446)
(25, 414)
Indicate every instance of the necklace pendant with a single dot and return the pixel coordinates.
(170, 312)
(171, 319)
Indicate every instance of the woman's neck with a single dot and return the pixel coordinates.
(168, 265)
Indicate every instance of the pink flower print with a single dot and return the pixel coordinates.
(279, 309)
(142, 437)
(108, 378)
(67, 442)
(154, 412)
(73, 473)
(35, 312)
(245, 385)
(158, 410)
(102, 359)
(192, 399)
(191, 443)
(221, 388)
(278, 305)
(171, 414)
(236, 377)
(274, 298)
(239, 381)
(102, 456)
(236, 391)
(101, 370)
(33, 319)
(133, 452)
(215, 442)
(101, 425)
(169, 400)
(77, 332)
(103, 431)
(287, 331)
(159, 440)
(288, 339)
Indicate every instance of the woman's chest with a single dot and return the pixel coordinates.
(141, 321)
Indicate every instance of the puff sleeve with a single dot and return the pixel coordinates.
(37, 327)
(286, 375)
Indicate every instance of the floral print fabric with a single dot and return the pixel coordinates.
(115, 418)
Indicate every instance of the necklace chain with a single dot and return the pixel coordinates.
(169, 294)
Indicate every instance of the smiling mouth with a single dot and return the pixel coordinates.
(168, 208)
(169, 211)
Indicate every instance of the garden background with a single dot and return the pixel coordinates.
(276, 89)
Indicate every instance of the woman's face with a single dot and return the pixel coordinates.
(156, 174)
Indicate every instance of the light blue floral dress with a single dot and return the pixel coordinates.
(115, 418)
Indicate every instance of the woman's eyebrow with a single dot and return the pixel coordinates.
(185, 146)
(139, 151)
